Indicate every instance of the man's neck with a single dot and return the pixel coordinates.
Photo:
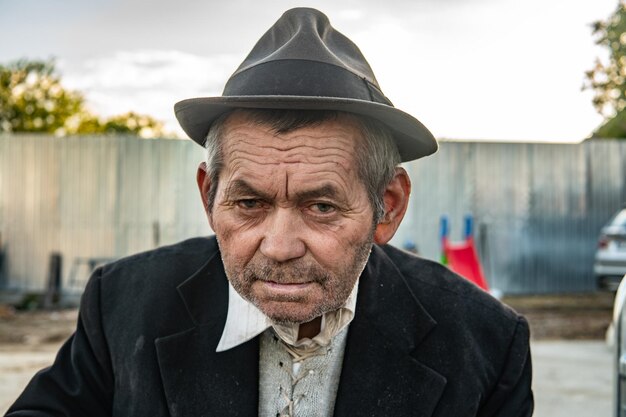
(310, 329)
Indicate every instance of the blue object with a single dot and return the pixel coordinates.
(444, 227)
(469, 226)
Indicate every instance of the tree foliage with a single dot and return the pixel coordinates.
(608, 79)
(615, 127)
(32, 99)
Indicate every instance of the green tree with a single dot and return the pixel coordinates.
(135, 124)
(607, 78)
(32, 99)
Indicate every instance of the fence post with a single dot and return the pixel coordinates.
(53, 290)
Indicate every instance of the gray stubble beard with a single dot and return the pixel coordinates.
(243, 277)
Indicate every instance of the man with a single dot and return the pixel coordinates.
(297, 307)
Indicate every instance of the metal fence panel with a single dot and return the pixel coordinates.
(92, 198)
(538, 208)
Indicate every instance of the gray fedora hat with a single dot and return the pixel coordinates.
(303, 63)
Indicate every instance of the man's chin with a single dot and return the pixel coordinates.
(287, 321)
(287, 315)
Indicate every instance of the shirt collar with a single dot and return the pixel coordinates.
(244, 322)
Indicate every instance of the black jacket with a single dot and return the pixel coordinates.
(423, 342)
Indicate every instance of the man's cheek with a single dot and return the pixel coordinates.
(224, 226)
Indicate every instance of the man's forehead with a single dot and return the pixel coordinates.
(316, 153)
(246, 140)
(346, 124)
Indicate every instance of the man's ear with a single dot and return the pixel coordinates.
(204, 185)
(396, 198)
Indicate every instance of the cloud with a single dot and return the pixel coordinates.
(148, 81)
(510, 70)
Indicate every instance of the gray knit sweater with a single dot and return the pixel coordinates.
(304, 386)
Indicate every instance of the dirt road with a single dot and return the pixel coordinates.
(17, 367)
(572, 365)
(572, 378)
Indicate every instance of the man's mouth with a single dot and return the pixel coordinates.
(286, 287)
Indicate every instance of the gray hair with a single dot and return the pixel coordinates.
(376, 159)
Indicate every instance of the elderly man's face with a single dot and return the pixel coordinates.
(292, 219)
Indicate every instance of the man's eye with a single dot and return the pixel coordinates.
(323, 208)
(249, 204)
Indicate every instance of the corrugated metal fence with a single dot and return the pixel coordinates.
(537, 207)
(91, 199)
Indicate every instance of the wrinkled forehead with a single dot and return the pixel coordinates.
(329, 140)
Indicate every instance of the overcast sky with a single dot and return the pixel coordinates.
(468, 69)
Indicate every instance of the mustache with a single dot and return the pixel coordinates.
(293, 272)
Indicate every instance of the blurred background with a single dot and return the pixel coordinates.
(526, 98)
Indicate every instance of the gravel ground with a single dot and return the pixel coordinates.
(572, 365)
(17, 367)
(572, 378)
(566, 317)
(553, 317)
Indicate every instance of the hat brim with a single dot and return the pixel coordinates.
(412, 138)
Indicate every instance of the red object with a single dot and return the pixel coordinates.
(603, 243)
(463, 259)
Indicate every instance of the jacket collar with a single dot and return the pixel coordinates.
(196, 379)
(205, 293)
(387, 302)
(380, 373)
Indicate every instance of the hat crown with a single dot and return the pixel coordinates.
(303, 63)
(306, 34)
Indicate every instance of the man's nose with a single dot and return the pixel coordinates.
(282, 238)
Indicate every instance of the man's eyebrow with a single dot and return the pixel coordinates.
(242, 188)
(325, 191)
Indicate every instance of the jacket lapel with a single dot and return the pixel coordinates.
(197, 380)
(380, 377)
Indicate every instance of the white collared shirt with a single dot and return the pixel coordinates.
(245, 321)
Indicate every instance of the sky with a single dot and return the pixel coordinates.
(500, 70)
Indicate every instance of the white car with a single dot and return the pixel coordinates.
(610, 262)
